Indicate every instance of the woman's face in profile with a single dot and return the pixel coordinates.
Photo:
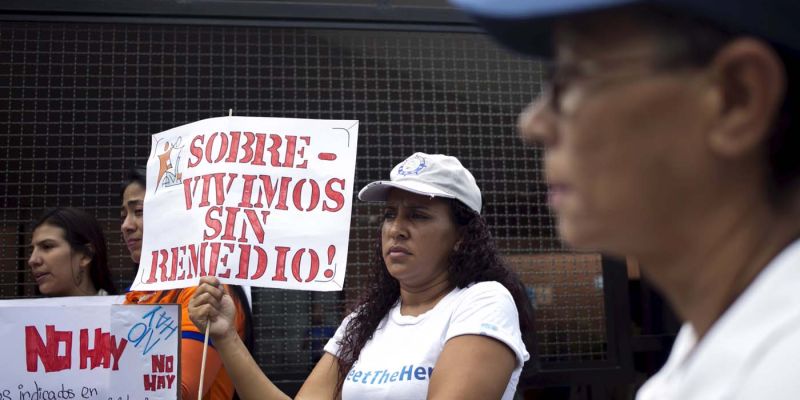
(131, 215)
(57, 269)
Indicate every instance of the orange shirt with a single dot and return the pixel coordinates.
(217, 384)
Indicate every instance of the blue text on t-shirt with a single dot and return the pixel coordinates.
(383, 376)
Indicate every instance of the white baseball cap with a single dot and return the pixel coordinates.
(435, 175)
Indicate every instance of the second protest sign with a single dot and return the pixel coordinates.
(254, 201)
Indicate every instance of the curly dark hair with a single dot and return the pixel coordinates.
(475, 260)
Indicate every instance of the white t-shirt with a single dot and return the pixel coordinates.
(751, 353)
(399, 359)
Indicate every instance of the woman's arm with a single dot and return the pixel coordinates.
(248, 379)
(321, 384)
(211, 303)
(192, 352)
(472, 367)
(483, 346)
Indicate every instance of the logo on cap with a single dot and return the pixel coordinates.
(412, 166)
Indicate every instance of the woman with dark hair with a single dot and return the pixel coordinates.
(216, 383)
(445, 318)
(68, 256)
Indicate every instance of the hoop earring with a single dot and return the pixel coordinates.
(79, 278)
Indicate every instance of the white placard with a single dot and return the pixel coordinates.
(89, 351)
(65, 301)
(254, 201)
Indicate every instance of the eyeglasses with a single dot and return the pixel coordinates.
(560, 77)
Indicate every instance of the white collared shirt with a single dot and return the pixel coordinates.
(751, 352)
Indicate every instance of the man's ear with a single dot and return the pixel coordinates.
(751, 80)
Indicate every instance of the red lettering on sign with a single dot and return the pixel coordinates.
(228, 147)
(332, 194)
(36, 349)
(104, 352)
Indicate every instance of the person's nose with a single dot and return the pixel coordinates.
(537, 123)
(398, 228)
(127, 224)
(34, 260)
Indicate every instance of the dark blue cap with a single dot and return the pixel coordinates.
(525, 25)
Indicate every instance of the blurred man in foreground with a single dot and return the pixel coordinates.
(669, 132)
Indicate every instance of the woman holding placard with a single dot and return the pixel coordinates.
(442, 301)
(216, 383)
(68, 256)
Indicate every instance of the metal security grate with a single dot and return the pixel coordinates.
(78, 102)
